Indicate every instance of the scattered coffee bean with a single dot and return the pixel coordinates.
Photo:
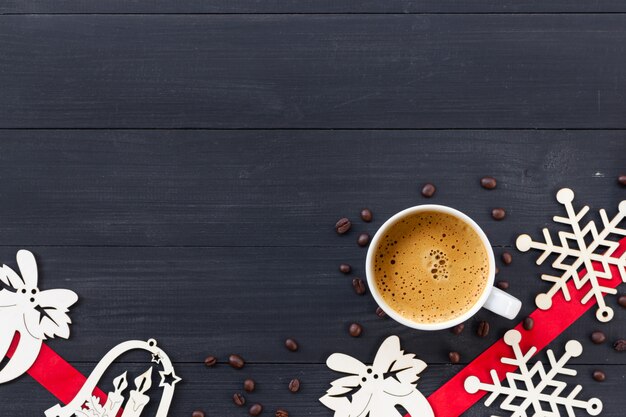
(498, 213)
(599, 376)
(197, 413)
(239, 399)
(366, 215)
(380, 313)
(291, 344)
(503, 285)
(507, 258)
(458, 329)
(358, 285)
(454, 357)
(598, 337)
(428, 190)
(355, 330)
(622, 179)
(236, 361)
(363, 239)
(210, 361)
(342, 226)
(488, 183)
(620, 345)
(294, 385)
(622, 300)
(483, 329)
(345, 268)
(255, 409)
(281, 413)
(249, 385)
(529, 323)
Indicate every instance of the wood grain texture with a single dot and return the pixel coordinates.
(310, 6)
(285, 188)
(313, 71)
(212, 390)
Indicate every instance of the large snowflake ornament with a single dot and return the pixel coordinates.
(577, 250)
(538, 389)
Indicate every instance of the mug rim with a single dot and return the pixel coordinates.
(369, 267)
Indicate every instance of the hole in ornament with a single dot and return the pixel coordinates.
(364, 379)
(375, 376)
(369, 370)
(33, 291)
(24, 291)
(401, 410)
(32, 300)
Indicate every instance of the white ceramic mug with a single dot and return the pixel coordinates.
(492, 298)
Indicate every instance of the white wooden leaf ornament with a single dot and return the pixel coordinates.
(32, 314)
(577, 250)
(535, 387)
(377, 390)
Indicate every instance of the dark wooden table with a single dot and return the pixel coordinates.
(180, 165)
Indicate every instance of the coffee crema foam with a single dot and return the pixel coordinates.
(431, 267)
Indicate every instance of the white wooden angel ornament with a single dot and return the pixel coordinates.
(32, 314)
(378, 389)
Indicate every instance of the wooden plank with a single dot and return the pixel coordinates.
(313, 71)
(212, 389)
(285, 188)
(311, 6)
(201, 301)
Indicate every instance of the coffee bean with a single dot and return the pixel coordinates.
(281, 413)
(488, 183)
(236, 361)
(359, 286)
(239, 399)
(342, 225)
(529, 323)
(503, 285)
(210, 361)
(291, 344)
(249, 385)
(197, 413)
(363, 240)
(294, 385)
(620, 345)
(598, 337)
(355, 330)
(507, 258)
(454, 357)
(428, 190)
(599, 376)
(483, 329)
(380, 313)
(345, 268)
(366, 215)
(622, 179)
(497, 270)
(458, 329)
(498, 213)
(255, 409)
(622, 300)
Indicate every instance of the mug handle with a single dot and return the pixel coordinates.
(503, 304)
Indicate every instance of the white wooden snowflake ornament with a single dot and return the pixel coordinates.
(583, 245)
(376, 390)
(539, 389)
(35, 315)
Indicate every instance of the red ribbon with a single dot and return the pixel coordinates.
(55, 374)
(451, 399)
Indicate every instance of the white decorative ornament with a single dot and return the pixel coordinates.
(87, 405)
(376, 390)
(588, 245)
(36, 315)
(538, 387)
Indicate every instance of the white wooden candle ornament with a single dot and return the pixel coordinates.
(535, 387)
(577, 250)
(376, 390)
(35, 315)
